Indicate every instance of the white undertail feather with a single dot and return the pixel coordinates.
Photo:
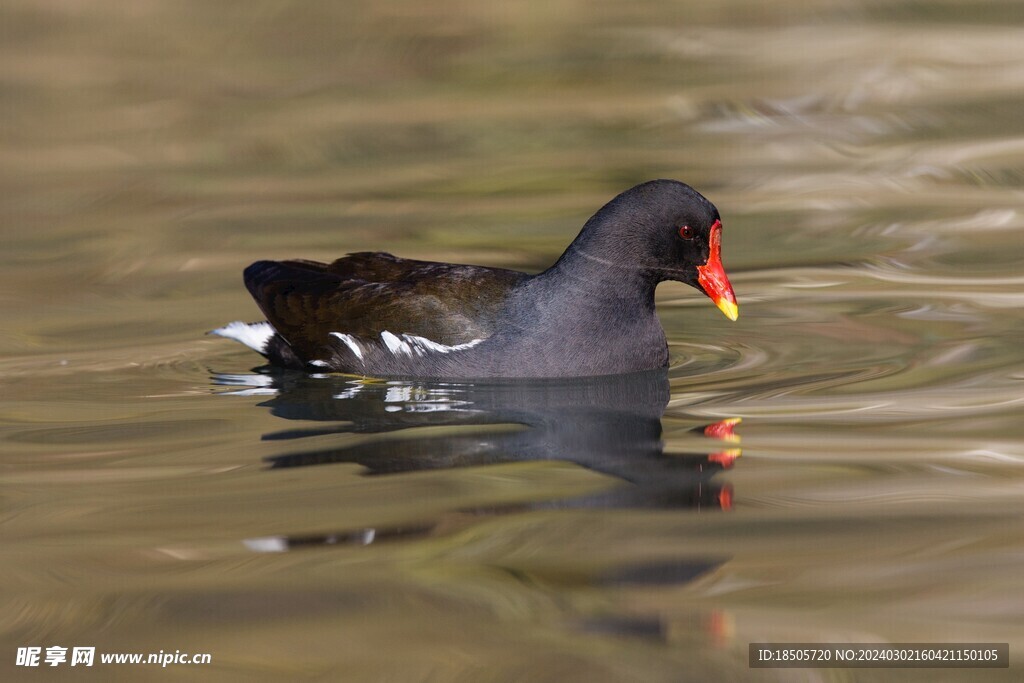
(253, 335)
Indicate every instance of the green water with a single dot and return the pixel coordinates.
(159, 494)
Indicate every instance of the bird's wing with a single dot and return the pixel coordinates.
(368, 293)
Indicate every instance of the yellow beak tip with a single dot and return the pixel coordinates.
(730, 309)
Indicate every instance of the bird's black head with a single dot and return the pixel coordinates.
(667, 230)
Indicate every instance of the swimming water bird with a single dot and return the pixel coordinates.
(591, 313)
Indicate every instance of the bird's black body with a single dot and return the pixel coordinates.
(591, 313)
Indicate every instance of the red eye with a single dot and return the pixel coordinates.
(686, 232)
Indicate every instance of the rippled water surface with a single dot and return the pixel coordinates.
(844, 463)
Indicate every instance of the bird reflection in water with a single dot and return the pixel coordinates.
(610, 425)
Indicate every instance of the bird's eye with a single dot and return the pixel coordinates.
(686, 232)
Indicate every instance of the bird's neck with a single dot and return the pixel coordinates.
(589, 312)
(593, 273)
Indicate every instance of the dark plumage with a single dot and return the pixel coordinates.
(591, 313)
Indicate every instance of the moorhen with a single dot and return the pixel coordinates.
(591, 313)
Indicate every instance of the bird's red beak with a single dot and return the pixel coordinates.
(712, 278)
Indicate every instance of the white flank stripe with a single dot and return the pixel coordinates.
(350, 341)
(394, 344)
(253, 335)
(431, 345)
(410, 344)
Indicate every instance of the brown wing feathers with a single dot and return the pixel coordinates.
(367, 293)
